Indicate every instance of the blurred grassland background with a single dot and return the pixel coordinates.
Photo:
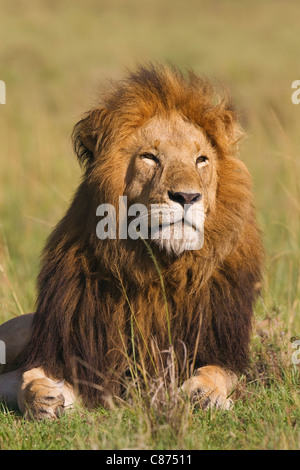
(55, 57)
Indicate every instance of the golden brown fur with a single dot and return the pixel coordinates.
(83, 321)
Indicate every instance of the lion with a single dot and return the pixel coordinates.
(169, 140)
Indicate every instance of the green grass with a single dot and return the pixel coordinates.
(266, 418)
(54, 58)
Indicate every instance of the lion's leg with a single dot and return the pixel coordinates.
(15, 335)
(211, 387)
(9, 385)
(40, 396)
(35, 394)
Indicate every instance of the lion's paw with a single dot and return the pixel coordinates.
(42, 398)
(207, 398)
(208, 388)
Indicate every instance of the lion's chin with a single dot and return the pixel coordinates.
(174, 241)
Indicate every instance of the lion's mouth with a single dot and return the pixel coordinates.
(178, 235)
(181, 222)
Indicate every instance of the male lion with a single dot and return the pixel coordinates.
(165, 140)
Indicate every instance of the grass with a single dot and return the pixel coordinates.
(54, 57)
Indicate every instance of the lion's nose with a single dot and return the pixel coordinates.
(184, 198)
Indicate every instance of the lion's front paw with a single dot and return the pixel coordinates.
(42, 398)
(206, 397)
(210, 387)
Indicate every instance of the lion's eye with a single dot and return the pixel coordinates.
(150, 156)
(202, 160)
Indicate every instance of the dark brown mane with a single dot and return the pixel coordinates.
(93, 294)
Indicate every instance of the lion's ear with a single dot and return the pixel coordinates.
(223, 126)
(233, 128)
(88, 134)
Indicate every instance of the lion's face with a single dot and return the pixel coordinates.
(162, 140)
(172, 172)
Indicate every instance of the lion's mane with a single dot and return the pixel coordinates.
(95, 296)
